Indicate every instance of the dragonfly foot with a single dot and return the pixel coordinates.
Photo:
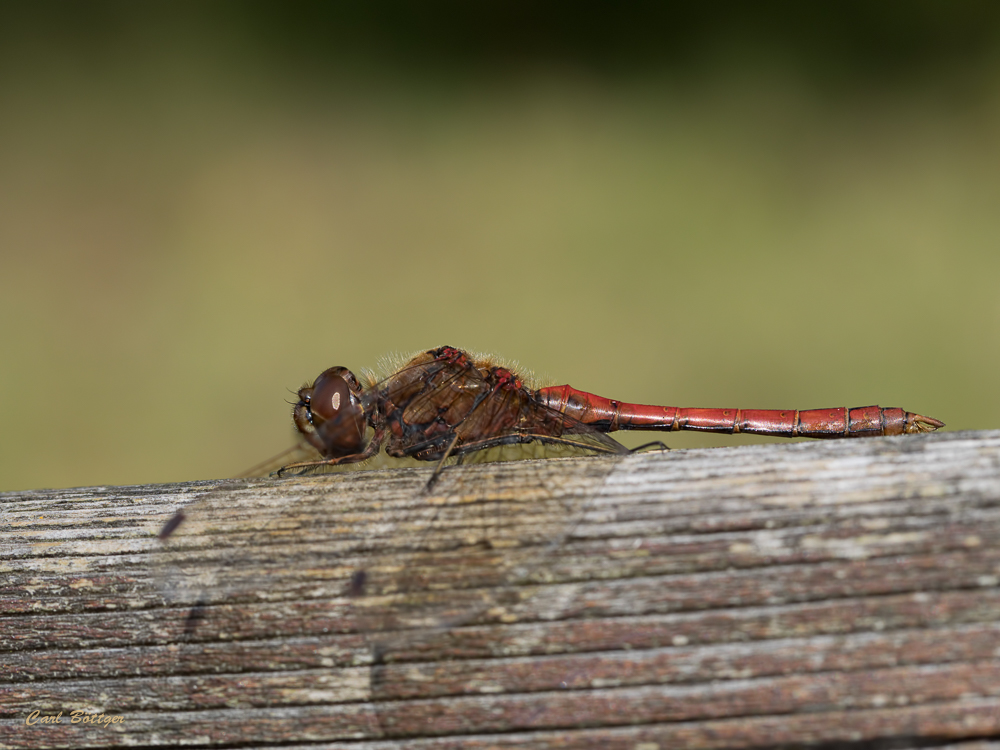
(655, 445)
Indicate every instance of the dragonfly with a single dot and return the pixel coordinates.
(446, 402)
(442, 551)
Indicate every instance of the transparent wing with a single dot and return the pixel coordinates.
(468, 546)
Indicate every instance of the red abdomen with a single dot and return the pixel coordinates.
(608, 415)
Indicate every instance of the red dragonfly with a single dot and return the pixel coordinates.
(446, 402)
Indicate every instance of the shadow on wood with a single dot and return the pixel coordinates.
(838, 594)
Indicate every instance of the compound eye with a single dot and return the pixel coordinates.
(337, 414)
(329, 395)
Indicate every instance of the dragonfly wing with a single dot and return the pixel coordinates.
(434, 403)
(469, 543)
(514, 417)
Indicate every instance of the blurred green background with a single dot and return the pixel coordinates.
(204, 205)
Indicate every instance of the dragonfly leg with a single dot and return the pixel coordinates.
(610, 446)
(440, 464)
(370, 450)
(655, 444)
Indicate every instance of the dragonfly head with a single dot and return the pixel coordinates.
(330, 414)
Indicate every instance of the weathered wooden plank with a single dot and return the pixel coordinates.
(811, 593)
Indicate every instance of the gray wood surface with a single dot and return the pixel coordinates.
(843, 594)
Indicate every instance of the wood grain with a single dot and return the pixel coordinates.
(839, 595)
